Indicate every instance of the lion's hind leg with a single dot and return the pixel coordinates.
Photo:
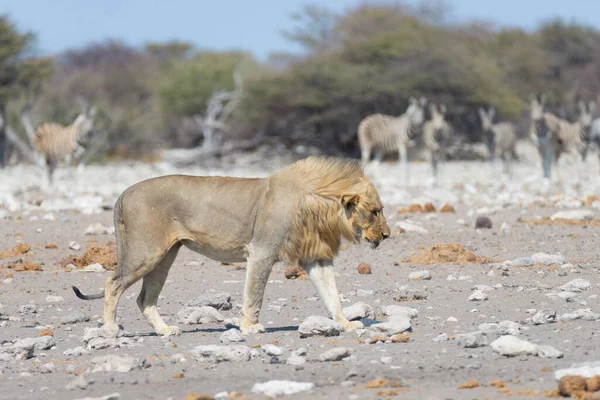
(152, 285)
(322, 276)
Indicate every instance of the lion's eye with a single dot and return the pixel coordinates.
(375, 212)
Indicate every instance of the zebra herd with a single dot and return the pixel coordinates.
(380, 134)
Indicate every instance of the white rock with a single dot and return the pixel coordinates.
(74, 246)
(232, 336)
(49, 217)
(54, 299)
(472, 339)
(408, 227)
(478, 295)
(488, 327)
(96, 229)
(483, 288)
(442, 337)
(512, 346)
(399, 310)
(390, 328)
(544, 316)
(295, 359)
(546, 351)
(272, 350)
(199, 315)
(39, 343)
(419, 276)
(576, 285)
(22, 351)
(335, 354)
(508, 328)
(579, 215)
(218, 300)
(365, 293)
(78, 383)
(586, 369)
(547, 259)
(582, 313)
(75, 352)
(277, 388)
(522, 262)
(316, 325)
(113, 363)
(358, 311)
(94, 268)
(216, 354)
(112, 396)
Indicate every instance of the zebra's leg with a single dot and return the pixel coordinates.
(547, 160)
(365, 156)
(50, 167)
(403, 159)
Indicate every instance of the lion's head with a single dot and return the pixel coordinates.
(364, 215)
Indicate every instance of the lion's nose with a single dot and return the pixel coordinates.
(385, 235)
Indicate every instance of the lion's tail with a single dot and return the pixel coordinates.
(87, 296)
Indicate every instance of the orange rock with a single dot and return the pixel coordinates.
(194, 396)
(400, 338)
(447, 208)
(46, 332)
(364, 268)
(415, 208)
(429, 207)
(383, 383)
(469, 385)
(178, 376)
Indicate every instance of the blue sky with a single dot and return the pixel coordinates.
(253, 25)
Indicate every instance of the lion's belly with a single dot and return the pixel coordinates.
(235, 253)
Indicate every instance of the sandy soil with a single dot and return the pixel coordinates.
(426, 369)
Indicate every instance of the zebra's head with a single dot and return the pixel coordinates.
(586, 113)
(438, 120)
(537, 106)
(487, 118)
(415, 111)
(85, 122)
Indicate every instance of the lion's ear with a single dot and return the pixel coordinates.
(349, 200)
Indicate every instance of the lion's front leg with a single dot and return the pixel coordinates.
(322, 276)
(257, 275)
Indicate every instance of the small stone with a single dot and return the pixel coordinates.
(365, 293)
(316, 325)
(419, 276)
(199, 315)
(522, 262)
(47, 368)
(576, 285)
(74, 318)
(54, 299)
(399, 310)
(76, 352)
(579, 215)
(472, 339)
(400, 338)
(407, 294)
(358, 311)
(272, 350)
(478, 295)
(74, 246)
(277, 388)
(96, 229)
(112, 396)
(113, 363)
(94, 268)
(364, 268)
(232, 336)
(512, 346)
(335, 354)
(295, 359)
(488, 327)
(508, 328)
(483, 222)
(39, 343)
(409, 227)
(545, 316)
(546, 351)
(582, 313)
(548, 259)
(447, 208)
(217, 300)
(442, 337)
(216, 354)
(394, 327)
(78, 383)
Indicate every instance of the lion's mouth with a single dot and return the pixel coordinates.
(373, 243)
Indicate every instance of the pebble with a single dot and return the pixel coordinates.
(399, 310)
(54, 299)
(544, 316)
(215, 354)
(398, 325)
(96, 229)
(112, 396)
(39, 343)
(419, 276)
(365, 293)
(272, 350)
(546, 351)
(277, 388)
(583, 313)
(472, 339)
(78, 383)
(295, 359)
(199, 315)
(335, 354)
(28, 309)
(548, 259)
(218, 300)
(408, 227)
(508, 328)
(483, 222)
(576, 285)
(74, 246)
(358, 311)
(579, 215)
(522, 262)
(113, 363)
(74, 319)
(406, 294)
(232, 336)
(316, 325)
(442, 337)
(364, 269)
(512, 346)
(75, 352)
(478, 295)
(94, 268)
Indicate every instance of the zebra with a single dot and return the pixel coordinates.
(547, 144)
(586, 120)
(500, 138)
(436, 132)
(57, 143)
(385, 134)
(594, 137)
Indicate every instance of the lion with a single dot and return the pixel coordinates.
(298, 215)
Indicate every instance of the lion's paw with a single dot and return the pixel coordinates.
(254, 328)
(352, 325)
(169, 331)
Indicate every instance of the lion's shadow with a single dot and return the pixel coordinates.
(290, 328)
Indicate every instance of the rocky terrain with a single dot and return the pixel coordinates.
(450, 311)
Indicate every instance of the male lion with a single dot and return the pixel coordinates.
(297, 215)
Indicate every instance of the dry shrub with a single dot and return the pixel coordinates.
(383, 383)
(469, 385)
(571, 385)
(19, 249)
(106, 255)
(447, 208)
(24, 267)
(446, 254)
(51, 246)
(593, 383)
(46, 332)
(400, 338)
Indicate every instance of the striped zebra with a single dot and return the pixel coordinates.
(436, 132)
(383, 134)
(500, 138)
(547, 144)
(594, 138)
(586, 120)
(58, 143)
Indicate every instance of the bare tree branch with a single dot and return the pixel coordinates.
(19, 144)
